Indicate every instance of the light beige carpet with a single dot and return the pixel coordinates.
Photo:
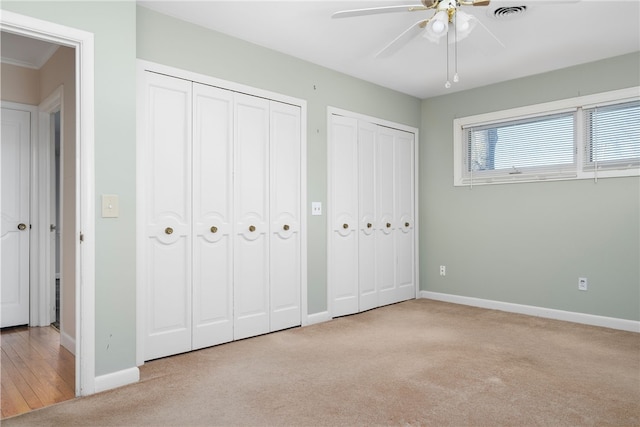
(419, 362)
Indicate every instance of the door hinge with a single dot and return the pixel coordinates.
(81, 237)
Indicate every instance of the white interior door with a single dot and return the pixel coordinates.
(285, 192)
(343, 220)
(251, 210)
(167, 199)
(368, 225)
(15, 154)
(212, 216)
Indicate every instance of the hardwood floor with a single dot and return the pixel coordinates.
(36, 370)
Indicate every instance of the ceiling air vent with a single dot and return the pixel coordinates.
(509, 12)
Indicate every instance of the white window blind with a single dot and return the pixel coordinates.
(612, 136)
(531, 146)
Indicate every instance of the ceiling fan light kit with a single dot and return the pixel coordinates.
(437, 27)
(447, 16)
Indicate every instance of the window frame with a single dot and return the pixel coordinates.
(579, 170)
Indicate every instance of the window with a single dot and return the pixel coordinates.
(586, 137)
(612, 135)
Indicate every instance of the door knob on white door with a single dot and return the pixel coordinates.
(22, 226)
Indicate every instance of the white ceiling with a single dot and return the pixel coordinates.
(549, 35)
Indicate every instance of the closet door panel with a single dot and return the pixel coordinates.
(212, 216)
(367, 213)
(285, 191)
(251, 194)
(167, 201)
(385, 236)
(343, 269)
(404, 199)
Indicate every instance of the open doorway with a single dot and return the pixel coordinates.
(80, 179)
(38, 285)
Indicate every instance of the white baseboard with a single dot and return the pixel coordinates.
(323, 316)
(117, 379)
(68, 342)
(549, 313)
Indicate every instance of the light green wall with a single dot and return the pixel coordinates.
(114, 27)
(529, 243)
(172, 42)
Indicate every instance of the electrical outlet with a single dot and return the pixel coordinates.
(582, 284)
(443, 270)
(316, 208)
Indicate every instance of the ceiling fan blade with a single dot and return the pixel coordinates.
(377, 10)
(397, 43)
(490, 33)
(475, 2)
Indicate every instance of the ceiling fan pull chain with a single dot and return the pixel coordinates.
(455, 29)
(448, 83)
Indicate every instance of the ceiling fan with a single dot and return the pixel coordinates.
(446, 13)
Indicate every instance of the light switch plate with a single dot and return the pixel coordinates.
(110, 206)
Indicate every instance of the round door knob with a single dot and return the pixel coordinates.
(388, 225)
(368, 225)
(406, 224)
(214, 229)
(345, 226)
(252, 228)
(168, 230)
(22, 226)
(286, 227)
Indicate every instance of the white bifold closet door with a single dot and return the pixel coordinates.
(167, 250)
(222, 210)
(343, 240)
(251, 240)
(213, 221)
(267, 210)
(285, 268)
(405, 208)
(372, 205)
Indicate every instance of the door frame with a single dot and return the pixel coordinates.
(83, 44)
